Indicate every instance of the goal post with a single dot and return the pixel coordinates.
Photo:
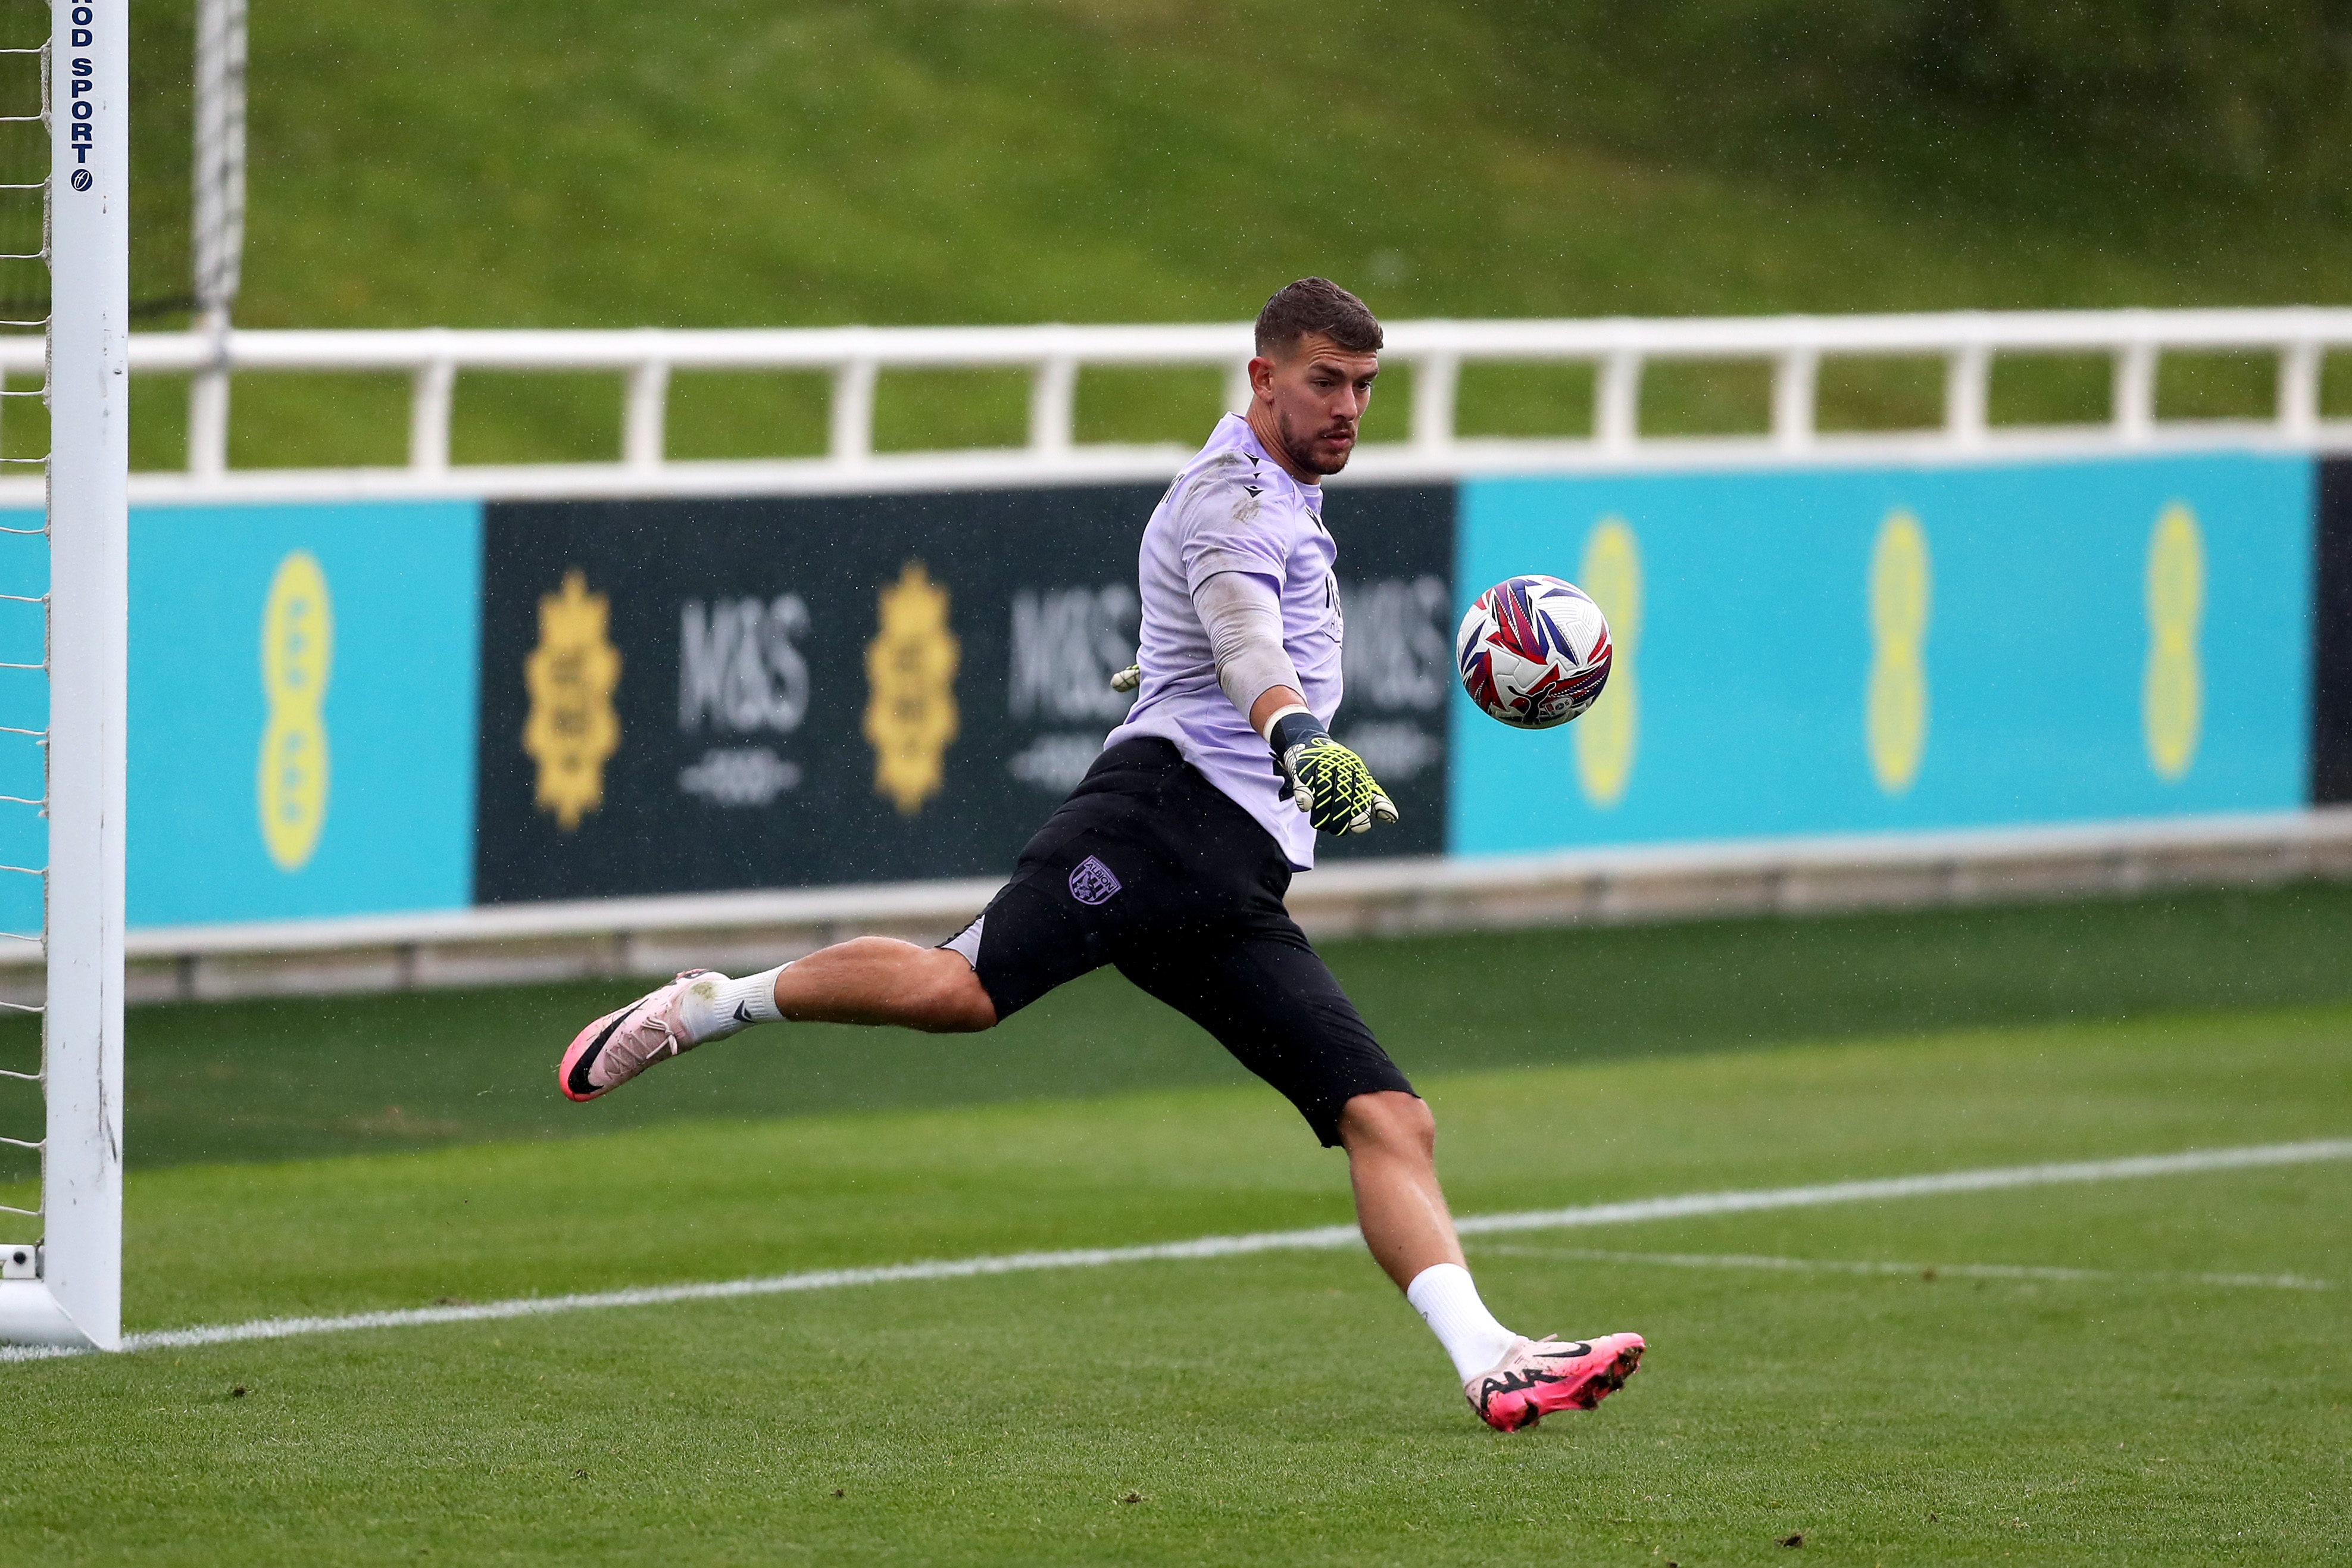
(70, 1293)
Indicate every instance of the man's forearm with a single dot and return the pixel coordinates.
(1272, 703)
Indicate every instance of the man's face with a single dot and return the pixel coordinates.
(1316, 393)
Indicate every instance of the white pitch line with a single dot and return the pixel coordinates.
(1998, 1176)
(1686, 1205)
(2028, 1271)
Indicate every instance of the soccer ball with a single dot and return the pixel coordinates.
(1534, 652)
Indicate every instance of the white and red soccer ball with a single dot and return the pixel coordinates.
(1533, 651)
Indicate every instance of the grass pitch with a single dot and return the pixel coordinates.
(1282, 1408)
(285, 1078)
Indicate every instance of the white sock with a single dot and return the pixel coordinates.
(1448, 1302)
(716, 1006)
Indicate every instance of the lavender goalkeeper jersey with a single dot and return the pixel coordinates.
(1234, 509)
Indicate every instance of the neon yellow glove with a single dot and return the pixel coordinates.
(1330, 782)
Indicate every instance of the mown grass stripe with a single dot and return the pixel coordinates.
(2028, 1272)
(1681, 1206)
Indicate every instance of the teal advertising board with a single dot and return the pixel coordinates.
(303, 690)
(23, 712)
(1902, 649)
(316, 728)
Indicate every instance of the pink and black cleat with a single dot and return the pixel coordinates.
(619, 1045)
(1539, 1376)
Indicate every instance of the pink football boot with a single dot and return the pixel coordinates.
(1539, 1376)
(619, 1045)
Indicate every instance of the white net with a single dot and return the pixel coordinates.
(23, 630)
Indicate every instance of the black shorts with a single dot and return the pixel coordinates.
(1150, 867)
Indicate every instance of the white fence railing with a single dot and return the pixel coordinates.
(1436, 351)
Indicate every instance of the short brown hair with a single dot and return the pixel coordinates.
(1316, 305)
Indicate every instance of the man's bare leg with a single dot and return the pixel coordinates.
(875, 980)
(872, 980)
(1511, 1382)
(1392, 1142)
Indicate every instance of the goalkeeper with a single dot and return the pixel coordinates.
(1171, 858)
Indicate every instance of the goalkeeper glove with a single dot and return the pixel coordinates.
(1127, 679)
(1330, 781)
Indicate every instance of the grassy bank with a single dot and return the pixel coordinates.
(548, 164)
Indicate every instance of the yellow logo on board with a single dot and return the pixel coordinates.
(2172, 690)
(571, 728)
(1901, 589)
(298, 654)
(1606, 736)
(910, 713)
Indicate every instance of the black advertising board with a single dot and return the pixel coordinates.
(2331, 625)
(797, 691)
(1396, 574)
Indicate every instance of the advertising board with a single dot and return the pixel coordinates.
(24, 715)
(376, 707)
(302, 688)
(685, 695)
(2331, 639)
(1896, 649)
(301, 710)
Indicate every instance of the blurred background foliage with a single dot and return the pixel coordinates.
(716, 163)
(2228, 99)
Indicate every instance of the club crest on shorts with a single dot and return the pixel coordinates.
(1091, 882)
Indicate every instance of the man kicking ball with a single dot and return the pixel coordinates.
(1171, 858)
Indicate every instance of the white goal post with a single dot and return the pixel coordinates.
(69, 1291)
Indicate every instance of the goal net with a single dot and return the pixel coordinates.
(63, 598)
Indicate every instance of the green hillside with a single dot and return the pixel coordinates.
(724, 164)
